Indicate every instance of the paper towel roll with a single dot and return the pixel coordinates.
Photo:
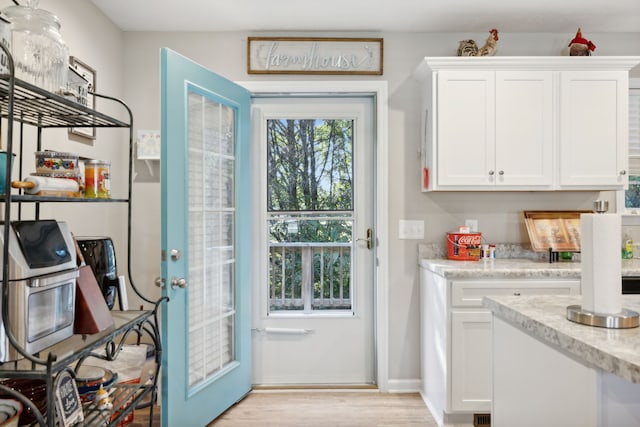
(601, 263)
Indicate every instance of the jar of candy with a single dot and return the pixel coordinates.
(41, 57)
(97, 179)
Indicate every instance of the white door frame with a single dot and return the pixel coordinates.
(379, 89)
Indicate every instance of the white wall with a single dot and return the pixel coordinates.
(128, 67)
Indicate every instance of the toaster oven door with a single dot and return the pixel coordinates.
(45, 310)
(50, 310)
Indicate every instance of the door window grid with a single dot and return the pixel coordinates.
(211, 236)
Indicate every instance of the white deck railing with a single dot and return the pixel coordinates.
(309, 276)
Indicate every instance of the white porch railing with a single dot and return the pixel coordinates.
(310, 276)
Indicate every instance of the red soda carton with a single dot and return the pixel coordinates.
(464, 246)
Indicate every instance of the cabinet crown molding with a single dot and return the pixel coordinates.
(548, 63)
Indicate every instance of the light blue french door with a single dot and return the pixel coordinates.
(206, 266)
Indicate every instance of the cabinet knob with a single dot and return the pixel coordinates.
(623, 172)
(501, 173)
(491, 173)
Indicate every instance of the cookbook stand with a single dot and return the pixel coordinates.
(554, 232)
(555, 256)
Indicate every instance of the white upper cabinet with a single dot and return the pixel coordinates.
(525, 123)
(594, 128)
(494, 129)
(524, 128)
(466, 120)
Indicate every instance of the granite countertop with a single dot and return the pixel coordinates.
(512, 268)
(616, 351)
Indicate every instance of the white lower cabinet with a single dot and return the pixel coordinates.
(555, 389)
(470, 357)
(456, 343)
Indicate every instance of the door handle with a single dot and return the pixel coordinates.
(369, 239)
(178, 283)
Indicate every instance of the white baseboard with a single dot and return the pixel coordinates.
(404, 386)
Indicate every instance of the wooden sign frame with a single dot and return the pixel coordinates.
(309, 55)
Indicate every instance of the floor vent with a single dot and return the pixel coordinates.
(481, 420)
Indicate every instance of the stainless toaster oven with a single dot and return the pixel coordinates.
(41, 285)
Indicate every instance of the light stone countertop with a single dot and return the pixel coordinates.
(513, 268)
(616, 351)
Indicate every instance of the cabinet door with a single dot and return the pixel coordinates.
(593, 129)
(524, 128)
(465, 128)
(471, 360)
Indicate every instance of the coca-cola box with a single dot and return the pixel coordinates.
(464, 246)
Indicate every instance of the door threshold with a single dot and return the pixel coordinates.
(316, 387)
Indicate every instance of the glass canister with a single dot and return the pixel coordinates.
(5, 39)
(40, 54)
(97, 179)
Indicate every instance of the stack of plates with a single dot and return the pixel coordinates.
(32, 389)
(10, 411)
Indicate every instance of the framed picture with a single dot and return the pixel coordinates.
(319, 55)
(148, 145)
(88, 74)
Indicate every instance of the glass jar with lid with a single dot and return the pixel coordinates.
(40, 55)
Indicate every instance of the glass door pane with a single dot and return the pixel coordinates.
(211, 236)
(310, 214)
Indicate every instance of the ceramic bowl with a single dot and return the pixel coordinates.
(54, 163)
(89, 378)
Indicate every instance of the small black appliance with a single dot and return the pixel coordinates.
(99, 253)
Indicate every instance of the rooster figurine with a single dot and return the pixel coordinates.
(491, 46)
(467, 48)
(580, 46)
(470, 48)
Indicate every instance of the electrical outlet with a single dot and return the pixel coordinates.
(411, 229)
(472, 224)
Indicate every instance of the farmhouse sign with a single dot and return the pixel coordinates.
(303, 55)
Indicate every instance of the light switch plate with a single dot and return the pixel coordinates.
(411, 229)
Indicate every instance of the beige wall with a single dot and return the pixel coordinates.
(128, 67)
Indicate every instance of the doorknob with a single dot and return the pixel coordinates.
(178, 283)
(159, 282)
(369, 239)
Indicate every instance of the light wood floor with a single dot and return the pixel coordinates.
(141, 417)
(298, 408)
(327, 408)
